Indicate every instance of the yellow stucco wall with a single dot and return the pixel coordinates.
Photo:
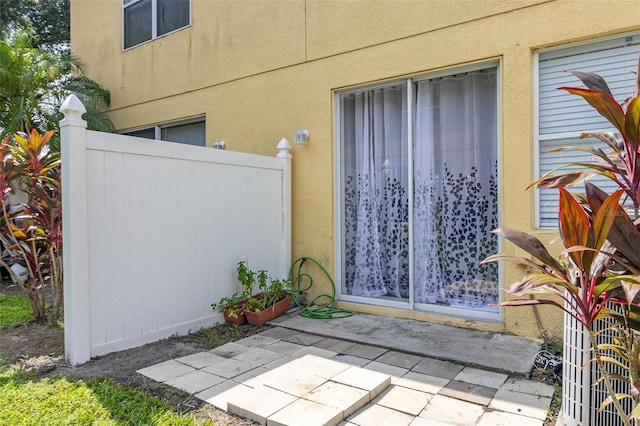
(260, 70)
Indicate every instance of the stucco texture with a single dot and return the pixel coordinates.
(261, 70)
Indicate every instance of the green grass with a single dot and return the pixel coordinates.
(28, 399)
(14, 310)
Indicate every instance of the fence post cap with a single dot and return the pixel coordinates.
(73, 109)
(283, 148)
(284, 144)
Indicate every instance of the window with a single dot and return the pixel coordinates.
(190, 132)
(562, 117)
(419, 192)
(144, 20)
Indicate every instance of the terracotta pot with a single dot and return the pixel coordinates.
(260, 318)
(238, 318)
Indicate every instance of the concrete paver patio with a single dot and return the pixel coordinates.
(287, 377)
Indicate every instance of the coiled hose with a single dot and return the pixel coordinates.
(302, 282)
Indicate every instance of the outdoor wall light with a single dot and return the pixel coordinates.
(302, 136)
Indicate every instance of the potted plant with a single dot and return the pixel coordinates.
(273, 300)
(232, 307)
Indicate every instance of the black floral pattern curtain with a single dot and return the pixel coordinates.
(455, 194)
(375, 193)
(456, 190)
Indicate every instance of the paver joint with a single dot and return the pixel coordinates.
(280, 376)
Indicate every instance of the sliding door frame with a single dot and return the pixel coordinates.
(339, 184)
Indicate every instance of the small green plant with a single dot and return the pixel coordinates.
(557, 346)
(232, 304)
(246, 277)
(271, 291)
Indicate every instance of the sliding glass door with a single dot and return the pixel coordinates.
(419, 192)
(376, 232)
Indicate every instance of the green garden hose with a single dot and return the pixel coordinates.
(302, 282)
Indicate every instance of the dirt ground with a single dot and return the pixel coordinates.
(41, 348)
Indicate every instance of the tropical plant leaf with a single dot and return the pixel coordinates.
(528, 288)
(604, 218)
(607, 285)
(608, 400)
(595, 196)
(560, 284)
(551, 179)
(604, 103)
(634, 312)
(514, 259)
(613, 140)
(623, 235)
(531, 302)
(632, 124)
(574, 228)
(635, 413)
(612, 376)
(531, 245)
(585, 148)
(34, 82)
(613, 361)
(609, 347)
(543, 283)
(572, 178)
(593, 81)
(599, 168)
(631, 287)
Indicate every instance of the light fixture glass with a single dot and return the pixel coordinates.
(302, 136)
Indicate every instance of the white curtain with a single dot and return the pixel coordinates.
(455, 190)
(376, 198)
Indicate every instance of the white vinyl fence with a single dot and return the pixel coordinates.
(153, 232)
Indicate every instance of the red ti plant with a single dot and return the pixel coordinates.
(598, 274)
(31, 232)
(582, 277)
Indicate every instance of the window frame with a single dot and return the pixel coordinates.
(573, 134)
(160, 126)
(154, 22)
(338, 185)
